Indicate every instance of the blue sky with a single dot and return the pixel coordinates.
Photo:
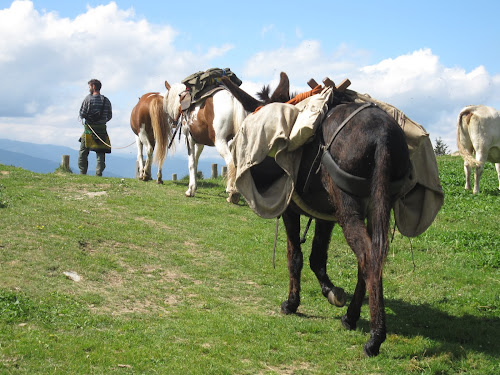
(428, 58)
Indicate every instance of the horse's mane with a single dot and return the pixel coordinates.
(171, 100)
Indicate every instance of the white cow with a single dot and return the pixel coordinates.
(478, 140)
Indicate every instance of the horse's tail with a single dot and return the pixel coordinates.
(381, 205)
(463, 130)
(161, 129)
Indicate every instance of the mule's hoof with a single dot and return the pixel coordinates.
(338, 298)
(371, 350)
(287, 309)
(347, 324)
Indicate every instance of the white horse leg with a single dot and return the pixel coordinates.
(224, 126)
(194, 152)
(140, 157)
(223, 149)
(145, 168)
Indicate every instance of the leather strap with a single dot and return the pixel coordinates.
(364, 106)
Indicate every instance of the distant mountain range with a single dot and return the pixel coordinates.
(42, 158)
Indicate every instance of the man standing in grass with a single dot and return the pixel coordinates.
(96, 110)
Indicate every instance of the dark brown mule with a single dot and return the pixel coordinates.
(371, 146)
(150, 125)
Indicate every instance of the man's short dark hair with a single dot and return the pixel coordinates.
(96, 83)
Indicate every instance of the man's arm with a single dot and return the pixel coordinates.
(109, 111)
(84, 109)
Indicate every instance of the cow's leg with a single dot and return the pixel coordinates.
(481, 159)
(318, 260)
(194, 151)
(140, 157)
(477, 177)
(467, 171)
(497, 166)
(295, 261)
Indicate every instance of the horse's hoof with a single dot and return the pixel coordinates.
(234, 198)
(159, 182)
(338, 298)
(347, 324)
(287, 309)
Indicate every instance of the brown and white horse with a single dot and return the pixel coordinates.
(371, 148)
(150, 125)
(214, 122)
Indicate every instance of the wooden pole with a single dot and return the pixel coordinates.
(223, 171)
(65, 162)
(174, 177)
(214, 170)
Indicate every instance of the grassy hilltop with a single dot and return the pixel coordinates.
(171, 285)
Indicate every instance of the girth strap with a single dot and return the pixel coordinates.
(356, 185)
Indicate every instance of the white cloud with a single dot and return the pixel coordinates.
(427, 91)
(417, 83)
(46, 61)
(266, 29)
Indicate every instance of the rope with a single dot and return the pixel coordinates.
(275, 241)
(117, 148)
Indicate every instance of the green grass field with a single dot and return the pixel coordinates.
(172, 285)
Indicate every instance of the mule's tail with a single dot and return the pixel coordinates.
(162, 129)
(381, 209)
(462, 130)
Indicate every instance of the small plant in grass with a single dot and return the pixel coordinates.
(63, 169)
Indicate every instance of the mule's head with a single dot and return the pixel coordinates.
(280, 94)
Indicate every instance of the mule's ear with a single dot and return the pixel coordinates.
(167, 85)
(282, 93)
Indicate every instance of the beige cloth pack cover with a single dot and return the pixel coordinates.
(272, 131)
